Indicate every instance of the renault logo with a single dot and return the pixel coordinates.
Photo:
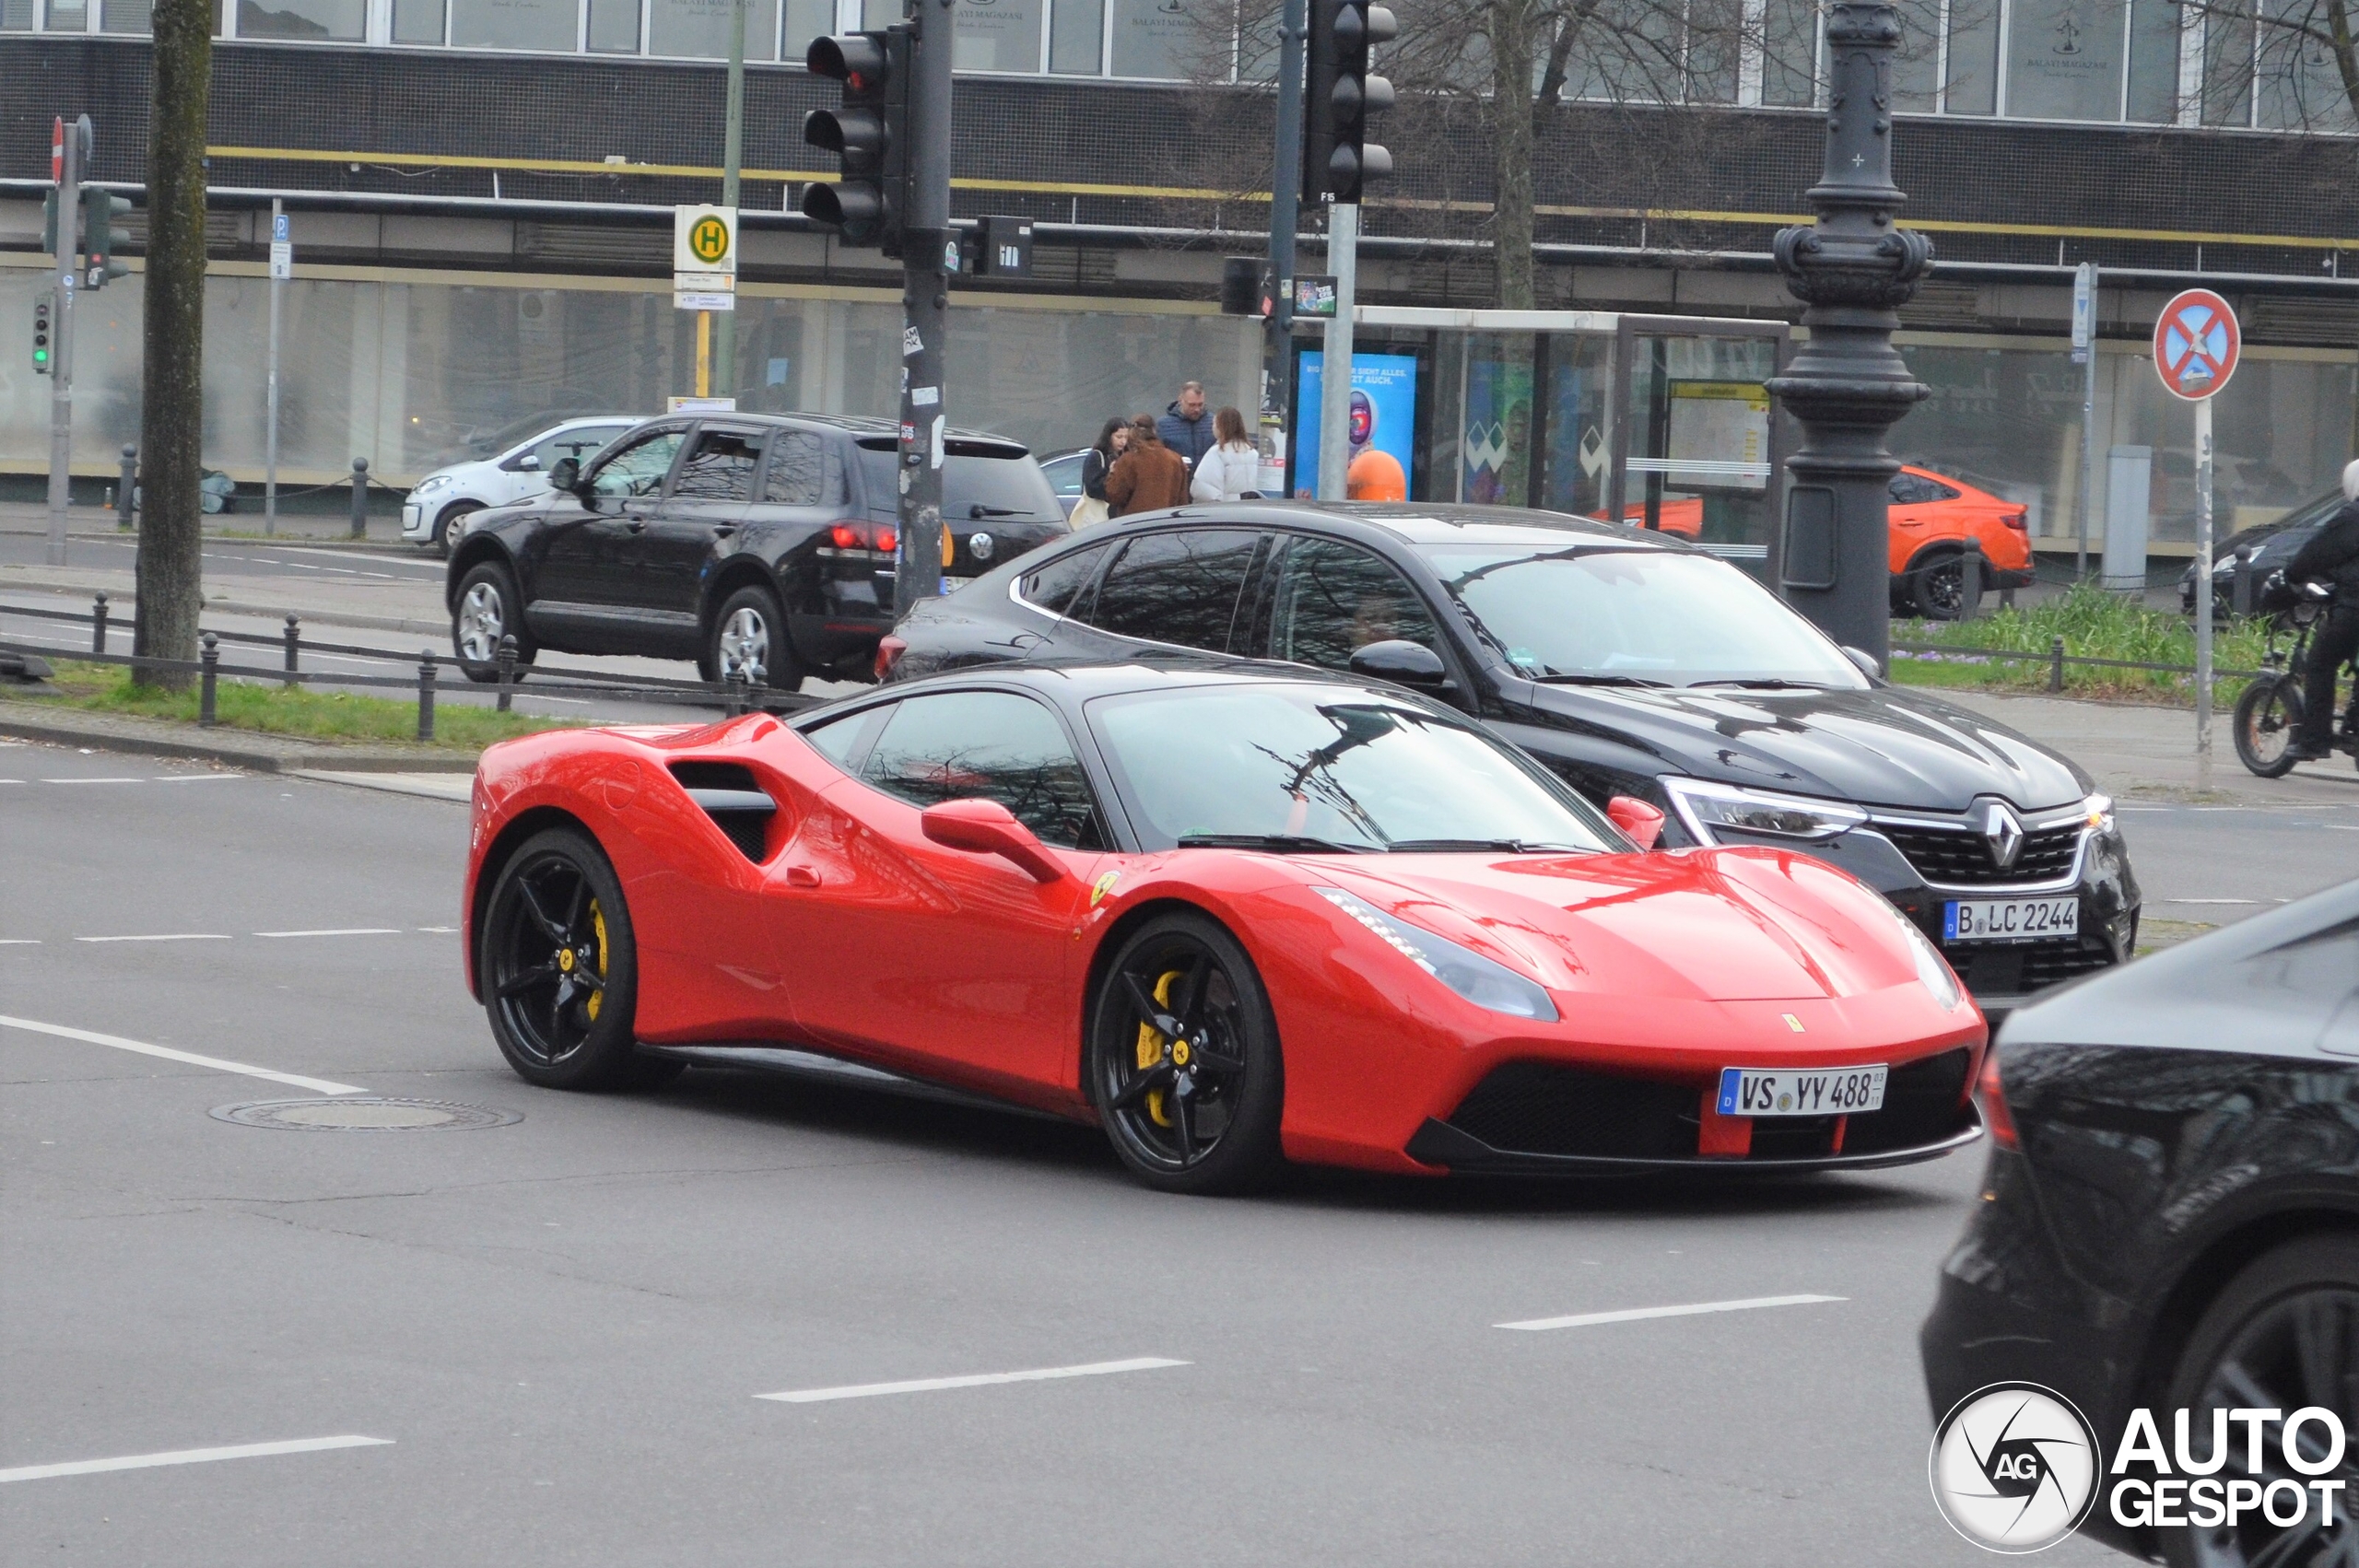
(2003, 832)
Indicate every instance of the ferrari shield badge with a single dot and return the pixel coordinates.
(1102, 886)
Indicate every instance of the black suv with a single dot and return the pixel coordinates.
(739, 541)
(1629, 664)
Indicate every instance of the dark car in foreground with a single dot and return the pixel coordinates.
(739, 541)
(1629, 664)
(2171, 1217)
(2258, 551)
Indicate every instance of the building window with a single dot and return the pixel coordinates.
(805, 20)
(2227, 69)
(1789, 53)
(699, 28)
(1972, 66)
(417, 21)
(1077, 37)
(125, 15)
(2065, 60)
(68, 16)
(2154, 61)
(2300, 86)
(1159, 38)
(997, 35)
(614, 27)
(327, 20)
(514, 24)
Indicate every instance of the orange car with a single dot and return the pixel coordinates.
(1932, 517)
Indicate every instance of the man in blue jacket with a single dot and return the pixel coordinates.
(1185, 427)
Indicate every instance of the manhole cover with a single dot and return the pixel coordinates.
(363, 1113)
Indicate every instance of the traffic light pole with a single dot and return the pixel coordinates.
(66, 269)
(1285, 216)
(732, 143)
(1336, 364)
(925, 306)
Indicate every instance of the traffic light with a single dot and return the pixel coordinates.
(870, 134)
(1345, 94)
(101, 238)
(42, 303)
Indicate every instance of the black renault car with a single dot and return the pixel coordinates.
(1629, 663)
(739, 541)
(2170, 1221)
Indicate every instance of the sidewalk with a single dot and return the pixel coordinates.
(2141, 752)
(313, 528)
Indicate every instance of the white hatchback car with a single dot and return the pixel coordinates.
(514, 466)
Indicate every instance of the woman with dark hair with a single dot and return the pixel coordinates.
(1228, 470)
(1112, 442)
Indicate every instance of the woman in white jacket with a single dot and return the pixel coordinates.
(1227, 472)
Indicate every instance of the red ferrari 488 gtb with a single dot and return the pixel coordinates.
(1234, 917)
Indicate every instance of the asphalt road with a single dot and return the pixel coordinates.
(558, 1330)
(295, 558)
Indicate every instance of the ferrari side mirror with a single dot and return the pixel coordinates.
(1640, 820)
(986, 827)
(1404, 663)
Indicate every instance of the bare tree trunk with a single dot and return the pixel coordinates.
(171, 418)
(1511, 27)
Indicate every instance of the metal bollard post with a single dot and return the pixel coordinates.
(294, 635)
(361, 498)
(1970, 580)
(2240, 594)
(757, 681)
(210, 659)
(425, 694)
(2056, 664)
(126, 490)
(735, 704)
(507, 671)
(98, 623)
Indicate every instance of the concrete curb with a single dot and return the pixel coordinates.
(259, 753)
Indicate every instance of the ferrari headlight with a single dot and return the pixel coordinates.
(1705, 808)
(1932, 969)
(1478, 979)
(430, 482)
(2098, 809)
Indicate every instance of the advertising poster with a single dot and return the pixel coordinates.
(1383, 425)
(1495, 448)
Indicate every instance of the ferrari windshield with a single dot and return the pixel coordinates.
(1302, 767)
(1638, 617)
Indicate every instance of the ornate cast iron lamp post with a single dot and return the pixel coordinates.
(1852, 269)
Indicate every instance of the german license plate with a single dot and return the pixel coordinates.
(2010, 920)
(1801, 1091)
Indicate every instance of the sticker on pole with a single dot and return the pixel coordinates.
(2197, 342)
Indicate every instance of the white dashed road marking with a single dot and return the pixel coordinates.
(316, 1085)
(172, 936)
(1584, 1320)
(190, 1456)
(350, 930)
(977, 1380)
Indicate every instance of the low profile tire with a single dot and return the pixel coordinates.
(487, 608)
(448, 526)
(1937, 587)
(2283, 1333)
(1183, 1064)
(2268, 717)
(560, 969)
(749, 631)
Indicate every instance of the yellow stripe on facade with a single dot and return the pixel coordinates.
(1201, 194)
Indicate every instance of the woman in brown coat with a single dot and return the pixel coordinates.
(1148, 477)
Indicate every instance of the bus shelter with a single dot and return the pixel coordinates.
(1663, 421)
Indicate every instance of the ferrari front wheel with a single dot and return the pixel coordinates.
(560, 969)
(1184, 1066)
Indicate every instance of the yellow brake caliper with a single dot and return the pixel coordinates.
(598, 924)
(1151, 1049)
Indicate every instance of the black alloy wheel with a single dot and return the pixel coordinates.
(486, 609)
(450, 524)
(1937, 587)
(1184, 1066)
(748, 633)
(559, 969)
(2284, 1334)
(2268, 717)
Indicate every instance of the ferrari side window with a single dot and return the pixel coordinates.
(1176, 587)
(995, 746)
(1335, 598)
(839, 740)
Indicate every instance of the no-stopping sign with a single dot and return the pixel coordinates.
(2195, 344)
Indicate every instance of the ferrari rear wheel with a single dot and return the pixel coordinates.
(1184, 1066)
(559, 969)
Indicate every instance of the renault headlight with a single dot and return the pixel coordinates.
(430, 482)
(2098, 809)
(1478, 979)
(1706, 809)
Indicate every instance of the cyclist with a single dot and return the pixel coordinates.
(2331, 556)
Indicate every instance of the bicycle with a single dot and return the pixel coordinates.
(2269, 714)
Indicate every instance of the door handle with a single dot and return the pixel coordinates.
(723, 529)
(637, 525)
(802, 876)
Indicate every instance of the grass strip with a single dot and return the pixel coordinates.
(2093, 624)
(301, 712)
